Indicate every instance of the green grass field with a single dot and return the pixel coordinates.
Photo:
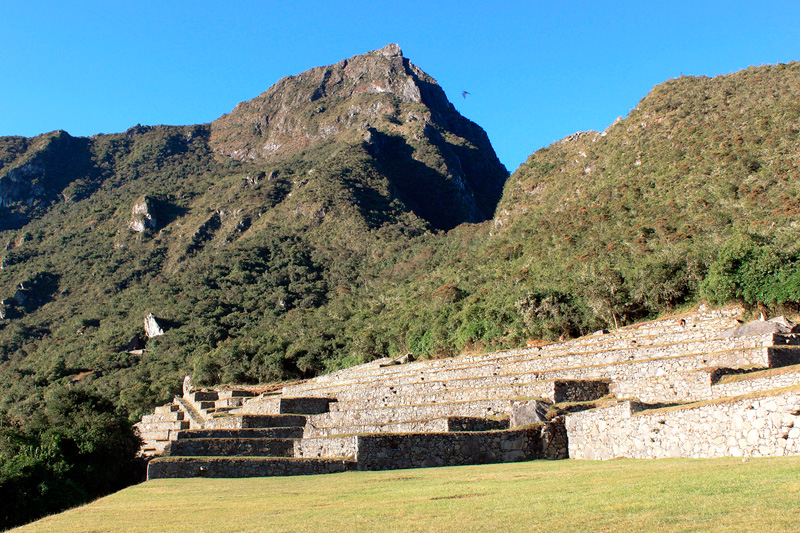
(620, 495)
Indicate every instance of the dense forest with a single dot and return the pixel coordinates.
(350, 213)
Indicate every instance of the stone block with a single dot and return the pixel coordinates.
(528, 412)
(305, 406)
(255, 421)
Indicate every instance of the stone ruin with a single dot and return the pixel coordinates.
(694, 385)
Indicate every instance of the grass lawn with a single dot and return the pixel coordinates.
(619, 495)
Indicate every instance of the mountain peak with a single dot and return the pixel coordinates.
(381, 103)
(391, 50)
(302, 110)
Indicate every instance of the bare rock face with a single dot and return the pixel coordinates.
(301, 111)
(151, 326)
(142, 217)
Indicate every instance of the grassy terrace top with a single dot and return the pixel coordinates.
(620, 495)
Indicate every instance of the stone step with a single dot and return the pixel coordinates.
(164, 409)
(163, 417)
(196, 419)
(155, 447)
(232, 447)
(232, 467)
(235, 393)
(251, 433)
(255, 421)
(146, 427)
(218, 410)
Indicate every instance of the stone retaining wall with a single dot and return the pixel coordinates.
(254, 421)
(269, 447)
(387, 415)
(766, 425)
(755, 384)
(466, 423)
(696, 386)
(677, 387)
(341, 446)
(407, 426)
(385, 452)
(418, 450)
(182, 467)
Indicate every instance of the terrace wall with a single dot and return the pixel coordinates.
(766, 425)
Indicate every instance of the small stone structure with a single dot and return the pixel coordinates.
(695, 385)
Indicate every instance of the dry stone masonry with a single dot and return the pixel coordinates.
(697, 385)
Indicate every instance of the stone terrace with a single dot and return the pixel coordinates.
(587, 397)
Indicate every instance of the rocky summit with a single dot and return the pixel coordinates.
(439, 162)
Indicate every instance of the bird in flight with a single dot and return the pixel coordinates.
(464, 94)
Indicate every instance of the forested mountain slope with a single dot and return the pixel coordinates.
(698, 189)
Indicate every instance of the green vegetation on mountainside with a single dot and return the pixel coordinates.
(694, 194)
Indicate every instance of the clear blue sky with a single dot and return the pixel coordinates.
(536, 71)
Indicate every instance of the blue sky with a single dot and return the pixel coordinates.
(536, 71)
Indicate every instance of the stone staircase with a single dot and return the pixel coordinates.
(474, 408)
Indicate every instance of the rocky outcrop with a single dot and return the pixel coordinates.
(22, 184)
(142, 217)
(760, 327)
(151, 326)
